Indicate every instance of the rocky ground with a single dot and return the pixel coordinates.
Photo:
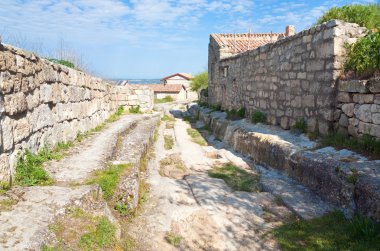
(203, 213)
(185, 209)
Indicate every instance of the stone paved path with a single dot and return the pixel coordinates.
(201, 210)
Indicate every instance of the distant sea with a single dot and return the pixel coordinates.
(139, 81)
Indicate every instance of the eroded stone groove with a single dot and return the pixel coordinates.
(26, 225)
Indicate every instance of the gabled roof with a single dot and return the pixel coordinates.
(186, 76)
(238, 43)
(171, 88)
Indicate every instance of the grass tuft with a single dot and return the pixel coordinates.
(366, 144)
(173, 239)
(196, 137)
(163, 100)
(258, 117)
(135, 109)
(300, 125)
(102, 237)
(109, 178)
(236, 178)
(329, 232)
(169, 142)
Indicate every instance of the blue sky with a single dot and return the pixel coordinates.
(146, 38)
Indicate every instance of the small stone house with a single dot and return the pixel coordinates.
(176, 91)
(183, 79)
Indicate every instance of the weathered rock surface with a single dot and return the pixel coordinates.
(336, 176)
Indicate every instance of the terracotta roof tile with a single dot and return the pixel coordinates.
(184, 75)
(172, 88)
(238, 43)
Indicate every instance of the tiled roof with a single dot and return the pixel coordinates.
(184, 75)
(172, 88)
(237, 43)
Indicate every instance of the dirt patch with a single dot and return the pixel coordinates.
(173, 167)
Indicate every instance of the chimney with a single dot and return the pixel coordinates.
(290, 30)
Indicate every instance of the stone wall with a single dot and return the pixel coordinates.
(45, 103)
(288, 80)
(358, 107)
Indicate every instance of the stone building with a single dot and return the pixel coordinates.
(183, 79)
(176, 91)
(287, 76)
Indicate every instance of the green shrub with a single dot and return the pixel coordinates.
(300, 125)
(29, 168)
(216, 108)
(364, 15)
(135, 109)
(62, 62)
(241, 112)
(258, 117)
(120, 110)
(363, 57)
(123, 209)
(236, 114)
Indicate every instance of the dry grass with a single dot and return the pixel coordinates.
(169, 142)
(196, 137)
(172, 166)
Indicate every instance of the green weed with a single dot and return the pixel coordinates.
(103, 236)
(329, 232)
(164, 100)
(196, 137)
(366, 144)
(236, 178)
(29, 168)
(169, 142)
(173, 239)
(108, 179)
(135, 109)
(300, 125)
(258, 117)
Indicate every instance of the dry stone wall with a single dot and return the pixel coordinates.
(358, 107)
(45, 103)
(288, 80)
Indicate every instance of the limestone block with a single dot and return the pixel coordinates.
(376, 118)
(21, 128)
(41, 117)
(363, 98)
(337, 114)
(353, 121)
(7, 129)
(327, 114)
(284, 123)
(374, 85)
(6, 83)
(308, 101)
(301, 75)
(353, 86)
(323, 127)
(375, 130)
(348, 109)
(315, 65)
(15, 103)
(296, 102)
(375, 108)
(4, 167)
(343, 121)
(311, 124)
(46, 93)
(377, 99)
(363, 112)
(364, 128)
(352, 130)
(344, 97)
